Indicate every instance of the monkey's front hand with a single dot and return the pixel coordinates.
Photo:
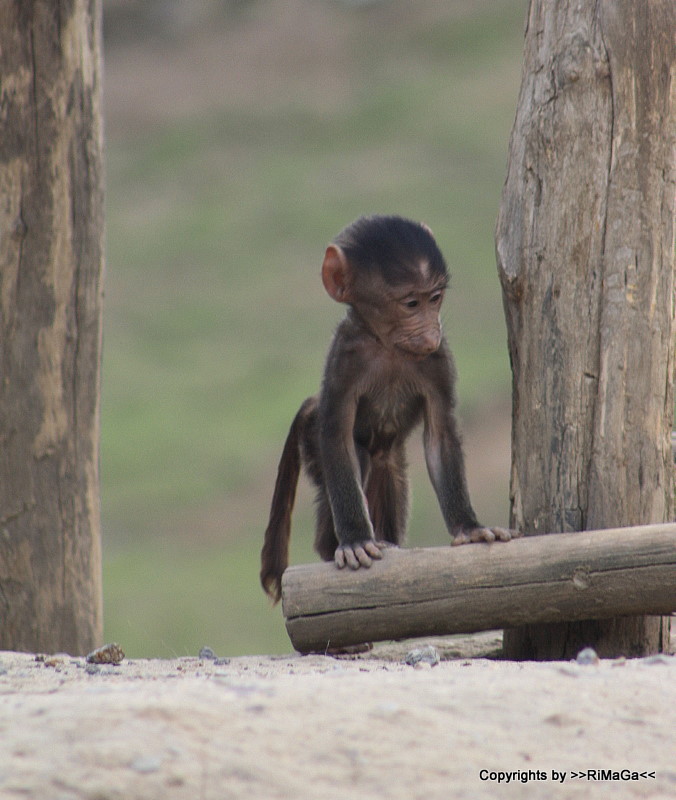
(469, 535)
(359, 554)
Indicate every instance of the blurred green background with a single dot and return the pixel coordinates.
(242, 135)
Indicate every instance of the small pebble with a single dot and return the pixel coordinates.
(422, 655)
(207, 653)
(587, 656)
(146, 764)
(661, 658)
(569, 671)
(108, 654)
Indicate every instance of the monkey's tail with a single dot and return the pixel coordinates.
(275, 552)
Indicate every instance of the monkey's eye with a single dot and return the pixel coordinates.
(436, 297)
(411, 303)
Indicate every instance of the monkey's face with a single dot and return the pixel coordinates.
(405, 317)
(397, 295)
(418, 329)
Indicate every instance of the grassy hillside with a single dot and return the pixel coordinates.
(239, 142)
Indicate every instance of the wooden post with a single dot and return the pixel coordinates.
(585, 253)
(439, 591)
(51, 270)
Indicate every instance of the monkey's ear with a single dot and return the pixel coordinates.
(337, 274)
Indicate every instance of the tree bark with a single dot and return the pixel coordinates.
(584, 245)
(51, 265)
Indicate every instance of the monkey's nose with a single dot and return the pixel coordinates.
(428, 343)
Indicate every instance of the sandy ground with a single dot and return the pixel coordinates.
(321, 727)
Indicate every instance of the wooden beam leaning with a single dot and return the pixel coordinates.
(438, 591)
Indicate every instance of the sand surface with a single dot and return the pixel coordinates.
(322, 727)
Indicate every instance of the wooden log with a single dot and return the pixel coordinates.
(439, 591)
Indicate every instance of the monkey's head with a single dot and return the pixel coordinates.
(392, 273)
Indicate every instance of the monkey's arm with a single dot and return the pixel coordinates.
(446, 467)
(342, 478)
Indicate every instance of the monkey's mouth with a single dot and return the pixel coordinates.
(420, 344)
(416, 353)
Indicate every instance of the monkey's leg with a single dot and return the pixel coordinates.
(387, 494)
(342, 477)
(446, 467)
